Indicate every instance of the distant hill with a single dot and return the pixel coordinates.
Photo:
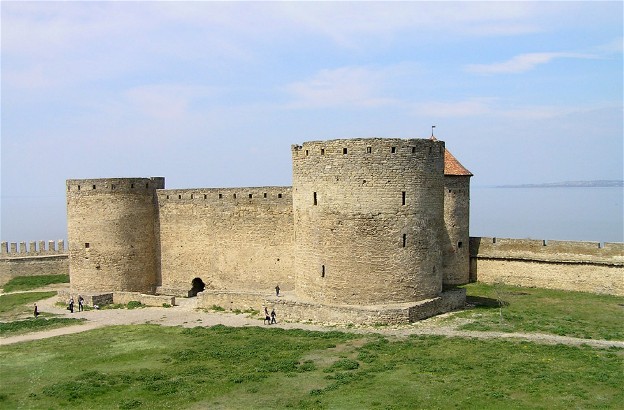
(571, 184)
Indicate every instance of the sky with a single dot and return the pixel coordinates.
(213, 94)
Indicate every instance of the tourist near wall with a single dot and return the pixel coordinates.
(18, 259)
(567, 265)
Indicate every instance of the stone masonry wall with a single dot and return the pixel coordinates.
(34, 260)
(368, 220)
(112, 233)
(231, 238)
(455, 251)
(566, 265)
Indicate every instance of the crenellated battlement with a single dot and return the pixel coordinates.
(32, 248)
(113, 185)
(215, 196)
(568, 265)
(547, 250)
(373, 148)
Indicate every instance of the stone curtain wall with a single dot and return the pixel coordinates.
(36, 259)
(112, 233)
(231, 238)
(368, 219)
(566, 265)
(455, 245)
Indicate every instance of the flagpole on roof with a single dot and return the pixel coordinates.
(432, 127)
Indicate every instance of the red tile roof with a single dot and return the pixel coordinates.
(451, 165)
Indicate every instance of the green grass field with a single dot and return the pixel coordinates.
(152, 367)
(22, 283)
(534, 310)
(19, 305)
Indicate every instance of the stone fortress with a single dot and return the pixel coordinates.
(372, 231)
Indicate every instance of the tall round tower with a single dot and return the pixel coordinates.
(112, 232)
(456, 252)
(368, 218)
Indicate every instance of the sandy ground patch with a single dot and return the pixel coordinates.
(187, 315)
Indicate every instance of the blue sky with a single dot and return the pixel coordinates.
(213, 94)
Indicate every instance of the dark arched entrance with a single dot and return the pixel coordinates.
(198, 285)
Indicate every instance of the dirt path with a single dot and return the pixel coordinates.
(187, 315)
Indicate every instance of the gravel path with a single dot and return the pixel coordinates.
(187, 315)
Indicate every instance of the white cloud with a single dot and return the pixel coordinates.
(351, 86)
(495, 108)
(521, 63)
(467, 108)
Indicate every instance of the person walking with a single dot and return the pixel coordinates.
(71, 305)
(267, 318)
(80, 303)
(36, 311)
(273, 317)
(277, 289)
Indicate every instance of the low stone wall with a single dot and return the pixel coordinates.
(290, 308)
(12, 267)
(566, 265)
(230, 300)
(90, 299)
(102, 299)
(147, 300)
(179, 292)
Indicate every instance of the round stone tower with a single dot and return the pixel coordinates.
(368, 220)
(112, 229)
(455, 249)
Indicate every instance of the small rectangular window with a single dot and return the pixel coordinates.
(205, 196)
(179, 196)
(393, 150)
(234, 196)
(404, 240)
(131, 185)
(265, 194)
(344, 151)
(112, 186)
(413, 150)
(279, 195)
(322, 271)
(369, 150)
(191, 196)
(78, 187)
(167, 196)
(250, 196)
(87, 245)
(307, 152)
(315, 201)
(220, 196)
(322, 151)
(403, 195)
(147, 185)
(459, 244)
(93, 186)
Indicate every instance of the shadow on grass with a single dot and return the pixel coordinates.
(481, 301)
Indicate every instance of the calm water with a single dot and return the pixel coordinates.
(580, 214)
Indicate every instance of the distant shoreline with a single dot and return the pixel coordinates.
(570, 184)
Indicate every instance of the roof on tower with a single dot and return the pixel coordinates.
(451, 165)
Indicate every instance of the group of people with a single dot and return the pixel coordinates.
(269, 319)
(70, 306)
